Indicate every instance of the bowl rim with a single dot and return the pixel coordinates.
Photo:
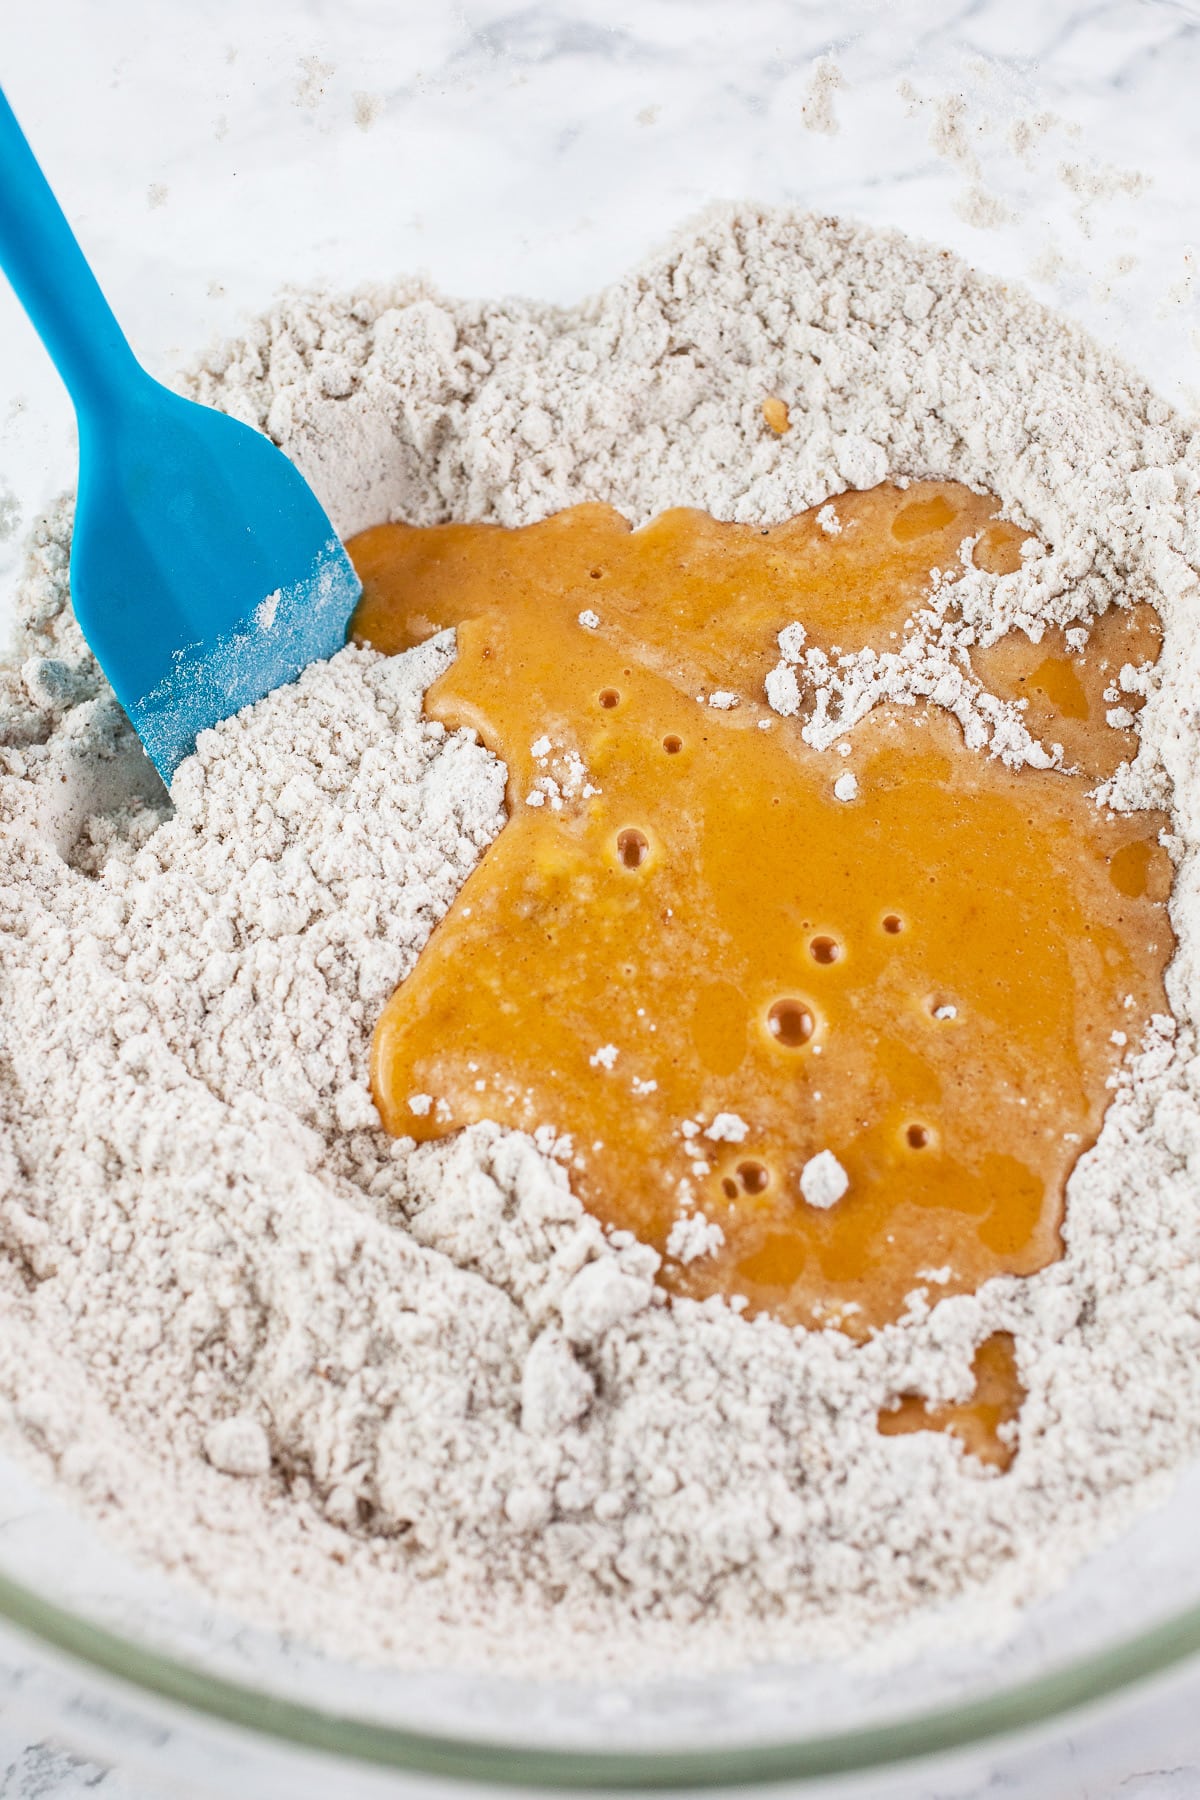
(1021, 1706)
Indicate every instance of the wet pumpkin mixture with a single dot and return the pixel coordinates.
(862, 1027)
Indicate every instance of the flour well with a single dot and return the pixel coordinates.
(413, 1403)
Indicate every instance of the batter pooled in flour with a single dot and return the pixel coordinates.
(719, 974)
(412, 1400)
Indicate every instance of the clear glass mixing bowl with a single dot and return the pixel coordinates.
(211, 159)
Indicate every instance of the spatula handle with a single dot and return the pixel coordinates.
(53, 282)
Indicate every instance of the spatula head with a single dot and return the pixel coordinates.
(204, 571)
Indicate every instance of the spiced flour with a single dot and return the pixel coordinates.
(413, 1403)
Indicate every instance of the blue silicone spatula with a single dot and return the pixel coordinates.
(204, 571)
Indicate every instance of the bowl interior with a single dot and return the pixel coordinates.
(543, 153)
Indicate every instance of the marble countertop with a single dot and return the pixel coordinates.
(1146, 1748)
(212, 154)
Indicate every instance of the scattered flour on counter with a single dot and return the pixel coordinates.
(816, 109)
(954, 135)
(414, 1403)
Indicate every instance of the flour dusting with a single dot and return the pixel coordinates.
(414, 1403)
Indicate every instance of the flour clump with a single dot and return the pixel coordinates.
(823, 1181)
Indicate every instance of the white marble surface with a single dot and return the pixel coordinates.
(212, 153)
(1146, 1748)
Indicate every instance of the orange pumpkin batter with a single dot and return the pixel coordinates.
(688, 954)
(983, 1423)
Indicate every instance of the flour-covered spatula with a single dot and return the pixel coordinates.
(204, 571)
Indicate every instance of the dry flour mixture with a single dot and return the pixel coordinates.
(413, 1403)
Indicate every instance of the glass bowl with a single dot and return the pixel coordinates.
(542, 151)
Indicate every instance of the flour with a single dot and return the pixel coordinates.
(950, 137)
(823, 1181)
(414, 1403)
(816, 109)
